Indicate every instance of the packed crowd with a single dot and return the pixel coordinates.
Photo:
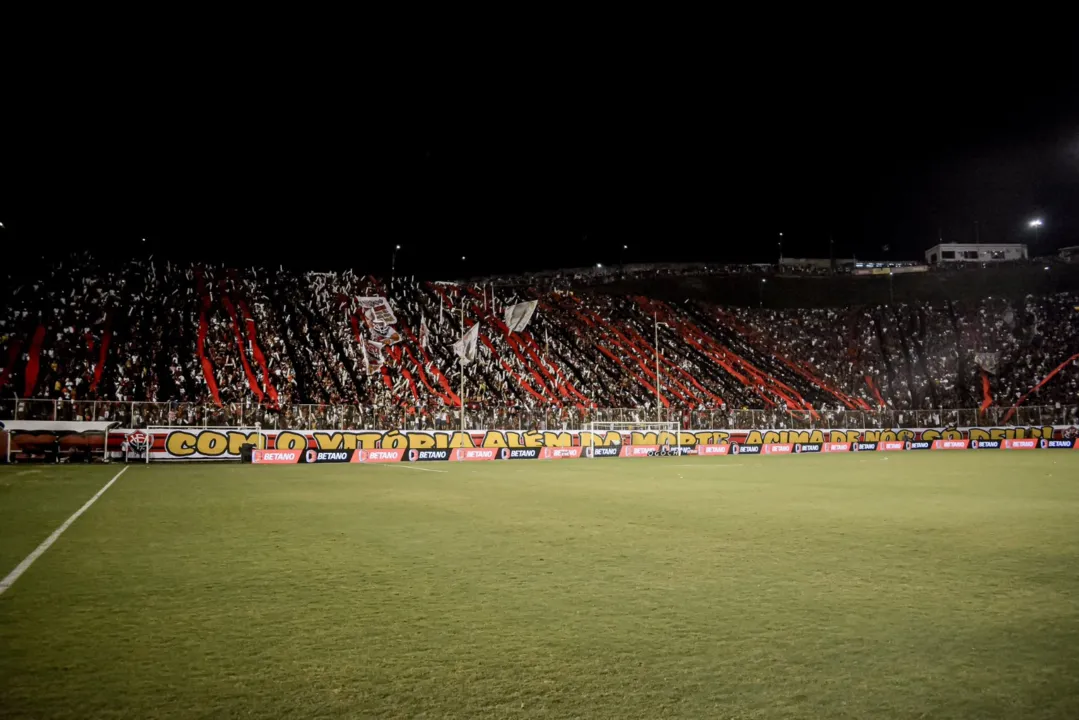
(301, 349)
(600, 274)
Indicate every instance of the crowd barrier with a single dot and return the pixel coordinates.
(425, 445)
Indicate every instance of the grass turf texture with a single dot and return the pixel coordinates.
(885, 586)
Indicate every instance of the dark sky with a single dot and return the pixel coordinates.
(556, 168)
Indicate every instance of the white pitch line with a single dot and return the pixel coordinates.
(409, 467)
(40, 550)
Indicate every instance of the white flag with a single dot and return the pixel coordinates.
(987, 361)
(423, 332)
(372, 356)
(466, 346)
(519, 315)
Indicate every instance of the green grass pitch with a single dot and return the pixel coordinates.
(910, 585)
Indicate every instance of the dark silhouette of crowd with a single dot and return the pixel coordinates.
(155, 343)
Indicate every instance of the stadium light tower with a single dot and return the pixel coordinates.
(781, 247)
(1036, 223)
(393, 260)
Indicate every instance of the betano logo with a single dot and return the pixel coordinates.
(426, 455)
(275, 457)
(560, 453)
(601, 451)
(377, 456)
(518, 454)
(473, 454)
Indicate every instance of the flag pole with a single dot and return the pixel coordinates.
(659, 404)
(462, 359)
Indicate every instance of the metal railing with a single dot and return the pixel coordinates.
(342, 417)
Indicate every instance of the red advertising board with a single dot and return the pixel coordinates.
(1021, 444)
(950, 444)
(891, 445)
(777, 449)
(638, 450)
(378, 456)
(275, 457)
(837, 447)
(713, 449)
(474, 454)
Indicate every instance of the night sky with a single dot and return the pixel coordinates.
(538, 170)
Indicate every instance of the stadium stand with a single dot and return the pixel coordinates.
(152, 343)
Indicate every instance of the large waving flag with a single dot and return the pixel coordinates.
(519, 315)
(372, 356)
(466, 346)
(385, 334)
(377, 310)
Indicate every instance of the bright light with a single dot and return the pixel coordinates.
(599, 265)
(144, 239)
(624, 247)
(763, 281)
(1037, 222)
(2, 226)
(1046, 267)
(397, 247)
(462, 258)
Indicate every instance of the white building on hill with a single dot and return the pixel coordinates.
(981, 253)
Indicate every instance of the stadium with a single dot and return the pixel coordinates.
(632, 476)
